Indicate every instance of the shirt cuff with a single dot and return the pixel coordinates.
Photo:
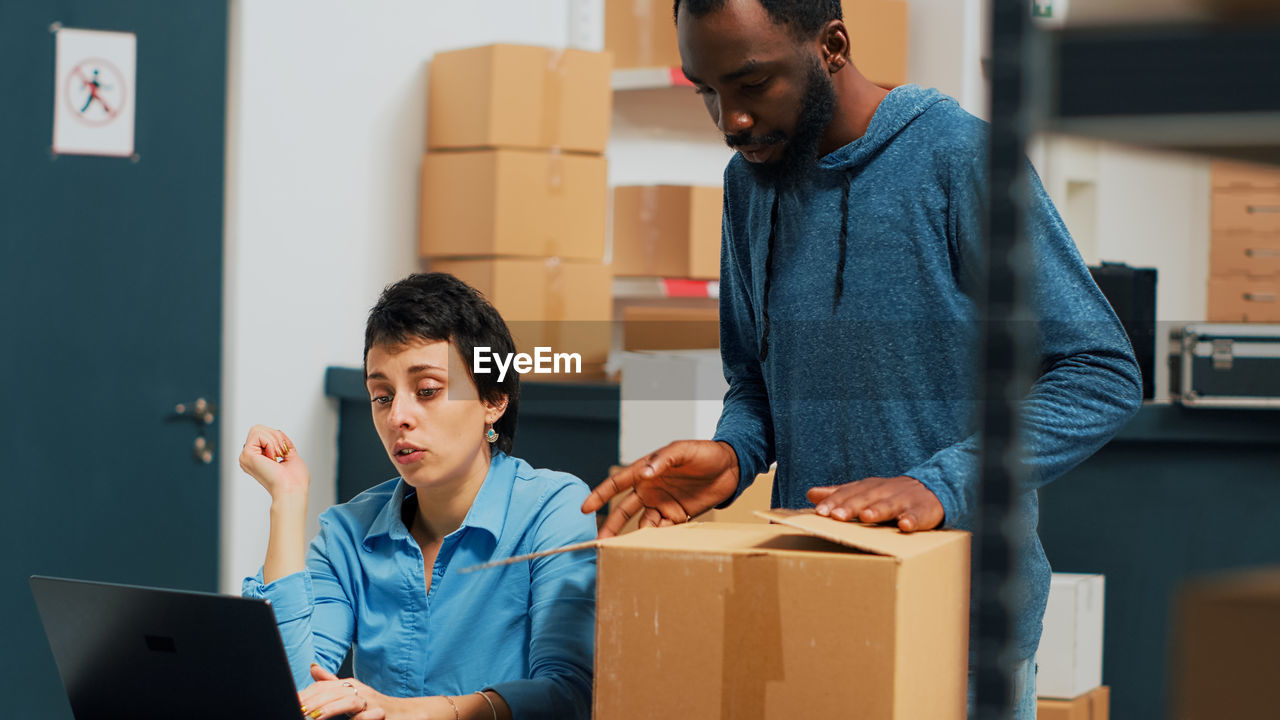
(931, 477)
(534, 699)
(291, 597)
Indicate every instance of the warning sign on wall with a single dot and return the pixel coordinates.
(95, 93)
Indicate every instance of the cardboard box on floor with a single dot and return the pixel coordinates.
(642, 33)
(519, 96)
(564, 305)
(1070, 652)
(1225, 657)
(818, 619)
(667, 230)
(516, 203)
(1093, 705)
(756, 498)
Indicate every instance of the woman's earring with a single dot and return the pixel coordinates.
(491, 435)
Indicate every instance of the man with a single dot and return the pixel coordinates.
(851, 254)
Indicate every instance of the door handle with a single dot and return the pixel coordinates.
(202, 413)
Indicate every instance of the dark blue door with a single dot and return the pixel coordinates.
(110, 315)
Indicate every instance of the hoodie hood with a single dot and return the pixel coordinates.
(898, 110)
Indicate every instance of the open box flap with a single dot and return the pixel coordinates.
(876, 539)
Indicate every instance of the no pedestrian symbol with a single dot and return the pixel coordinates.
(97, 91)
(95, 97)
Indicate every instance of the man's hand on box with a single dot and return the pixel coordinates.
(902, 500)
(672, 485)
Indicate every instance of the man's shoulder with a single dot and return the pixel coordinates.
(948, 125)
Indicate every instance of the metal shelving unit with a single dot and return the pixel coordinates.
(1206, 88)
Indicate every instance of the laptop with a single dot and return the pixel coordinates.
(153, 654)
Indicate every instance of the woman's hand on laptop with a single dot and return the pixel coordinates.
(331, 696)
(269, 456)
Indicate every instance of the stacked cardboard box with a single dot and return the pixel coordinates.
(663, 327)
(642, 33)
(514, 189)
(1244, 256)
(667, 231)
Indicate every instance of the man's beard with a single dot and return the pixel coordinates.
(800, 153)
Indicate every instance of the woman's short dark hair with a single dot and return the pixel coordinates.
(439, 306)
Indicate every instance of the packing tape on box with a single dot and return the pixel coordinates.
(752, 602)
(554, 299)
(555, 170)
(651, 232)
(643, 11)
(554, 80)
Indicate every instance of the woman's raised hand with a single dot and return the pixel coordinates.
(270, 457)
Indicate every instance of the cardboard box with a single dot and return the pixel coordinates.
(519, 96)
(1245, 253)
(756, 498)
(1225, 655)
(657, 327)
(820, 619)
(642, 33)
(1244, 299)
(566, 306)
(1070, 653)
(667, 396)
(667, 231)
(878, 36)
(513, 202)
(1093, 705)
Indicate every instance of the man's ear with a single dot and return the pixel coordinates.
(834, 45)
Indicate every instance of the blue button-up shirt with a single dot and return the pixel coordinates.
(525, 630)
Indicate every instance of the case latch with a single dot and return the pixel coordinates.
(1222, 354)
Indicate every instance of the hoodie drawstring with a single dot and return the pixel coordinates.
(844, 247)
(768, 271)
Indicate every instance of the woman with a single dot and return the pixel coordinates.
(382, 575)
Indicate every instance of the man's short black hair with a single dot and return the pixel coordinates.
(804, 18)
(439, 306)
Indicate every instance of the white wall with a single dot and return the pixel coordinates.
(326, 107)
(1141, 207)
(946, 43)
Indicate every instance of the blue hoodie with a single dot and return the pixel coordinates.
(866, 364)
